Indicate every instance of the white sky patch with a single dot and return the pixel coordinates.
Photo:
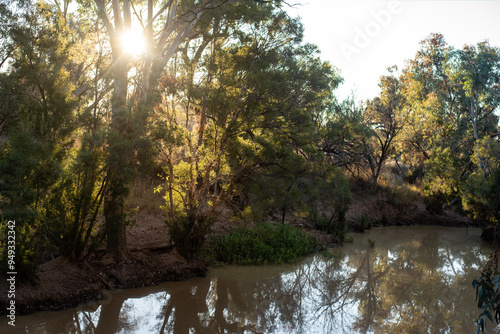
(393, 30)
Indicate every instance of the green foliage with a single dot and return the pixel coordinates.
(265, 243)
(281, 187)
(451, 97)
(364, 220)
(345, 137)
(241, 111)
(253, 129)
(443, 173)
(481, 196)
(384, 116)
(51, 156)
(442, 179)
(361, 138)
(481, 190)
(330, 195)
(329, 200)
(188, 233)
(27, 171)
(72, 212)
(37, 113)
(319, 192)
(488, 298)
(28, 239)
(337, 228)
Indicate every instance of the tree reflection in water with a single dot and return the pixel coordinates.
(416, 280)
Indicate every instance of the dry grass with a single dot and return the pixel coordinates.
(143, 196)
(401, 195)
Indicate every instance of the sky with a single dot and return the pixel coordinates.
(363, 38)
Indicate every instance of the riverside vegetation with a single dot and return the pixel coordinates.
(226, 110)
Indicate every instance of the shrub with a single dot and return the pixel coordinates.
(337, 228)
(365, 221)
(188, 233)
(371, 243)
(265, 243)
(27, 242)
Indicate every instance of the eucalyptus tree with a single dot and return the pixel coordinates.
(433, 116)
(383, 116)
(165, 25)
(243, 120)
(479, 75)
(362, 137)
(452, 96)
(345, 137)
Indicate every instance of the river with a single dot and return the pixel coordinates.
(416, 279)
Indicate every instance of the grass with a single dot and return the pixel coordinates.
(265, 243)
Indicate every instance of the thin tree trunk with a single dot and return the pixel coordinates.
(170, 187)
(114, 203)
(473, 118)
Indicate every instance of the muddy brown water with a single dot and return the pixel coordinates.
(416, 279)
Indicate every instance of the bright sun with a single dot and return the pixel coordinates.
(133, 42)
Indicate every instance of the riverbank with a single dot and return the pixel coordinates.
(151, 260)
(391, 206)
(64, 284)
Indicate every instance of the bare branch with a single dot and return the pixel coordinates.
(101, 12)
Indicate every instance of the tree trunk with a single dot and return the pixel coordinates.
(473, 118)
(116, 242)
(114, 210)
(119, 157)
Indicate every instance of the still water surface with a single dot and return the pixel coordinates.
(416, 279)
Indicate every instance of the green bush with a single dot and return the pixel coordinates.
(365, 221)
(188, 233)
(265, 243)
(26, 242)
(337, 228)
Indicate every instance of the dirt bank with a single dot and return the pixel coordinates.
(64, 284)
(378, 209)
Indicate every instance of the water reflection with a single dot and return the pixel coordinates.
(415, 280)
